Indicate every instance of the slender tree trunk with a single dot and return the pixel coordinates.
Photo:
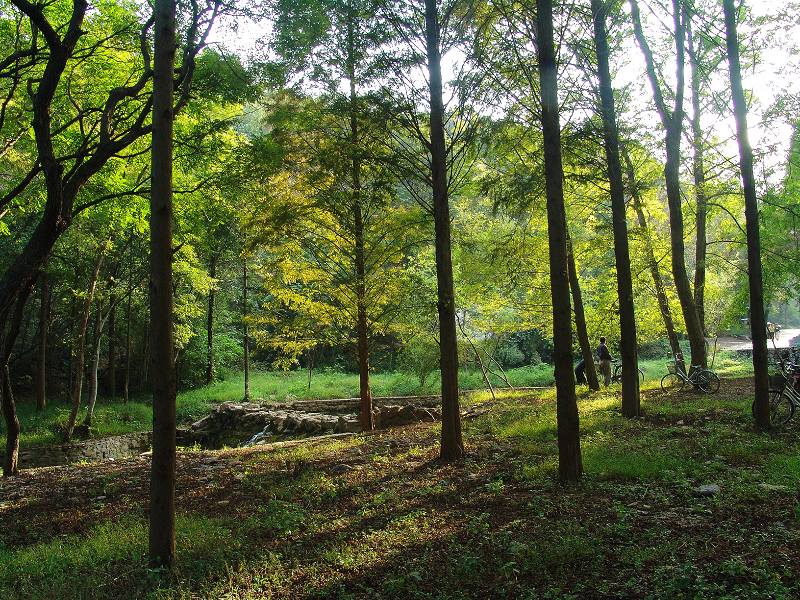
(212, 273)
(162, 480)
(699, 173)
(452, 445)
(580, 320)
(362, 326)
(673, 127)
(6, 394)
(81, 351)
(73, 319)
(99, 323)
(94, 381)
(650, 257)
(127, 377)
(246, 337)
(44, 326)
(569, 449)
(627, 319)
(112, 347)
(757, 318)
(479, 360)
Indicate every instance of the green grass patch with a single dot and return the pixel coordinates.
(110, 561)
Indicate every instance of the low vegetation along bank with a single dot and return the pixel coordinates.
(115, 417)
(377, 516)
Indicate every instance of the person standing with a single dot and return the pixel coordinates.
(605, 358)
(580, 373)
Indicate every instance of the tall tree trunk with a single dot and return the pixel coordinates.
(699, 173)
(757, 318)
(452, 445)
(672, 122)
(246, 337)
(580, 320)
(9, 406)
(362, 326)
(44, 327)
(627, 319)
(127, 377)
(162, 479)
(569, 449)
(212, 273)
(99, 323)
(650, 257)
(81, 350)
(112, 347)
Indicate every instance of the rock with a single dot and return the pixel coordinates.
(774, 488)
(707, 490)
(340, 469)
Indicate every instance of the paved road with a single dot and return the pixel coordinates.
(786, 338)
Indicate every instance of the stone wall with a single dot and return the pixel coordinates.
(117, 446)
(235, 423)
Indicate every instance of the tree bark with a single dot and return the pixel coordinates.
(650, 257)
(580, 320)
(81, 350)
(672, 122)
(452, 445)
(569, 450)
(127, 377)
(362, 325)
(100, 322)
(627, 318)
(112, 347)
(757, 318)
(162, 479)
(212, 273)
(699, 173)
(44, 326)
(246, 337)
(11, 457)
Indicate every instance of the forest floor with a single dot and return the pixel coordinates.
(378, 516)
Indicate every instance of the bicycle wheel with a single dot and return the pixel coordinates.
(672, 382)
(617, 376)
(641, 376)
(707, 381)
(781, 408)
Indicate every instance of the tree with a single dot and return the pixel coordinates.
(699, 174)
(627, 320)
(758, 325)
(650, 256)
(59, 51)
(44, 324)
(569, 450)
(335, 42)
(162, 479)
(672, 121)
(452, 445)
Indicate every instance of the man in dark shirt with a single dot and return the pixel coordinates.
(605, 358)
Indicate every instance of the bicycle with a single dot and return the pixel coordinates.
(676, 378)
(617, 376)
(783, 401)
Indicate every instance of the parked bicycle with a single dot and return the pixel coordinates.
(676, 378)
(617, 376)
(784, 394)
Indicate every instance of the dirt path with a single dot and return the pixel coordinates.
(786, 338)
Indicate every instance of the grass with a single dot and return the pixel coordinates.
(115, 417)
(377, 516)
